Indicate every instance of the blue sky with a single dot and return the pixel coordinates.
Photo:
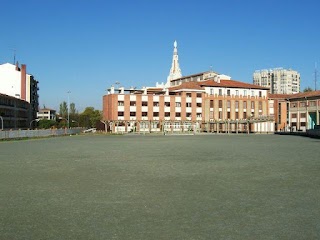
(85, 46)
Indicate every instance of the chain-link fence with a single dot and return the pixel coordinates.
(11, 134)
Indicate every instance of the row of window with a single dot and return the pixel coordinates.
(178, 104)
(294, 124)
(5, 101)
(156, 104)
(244, 103)
(220, 115)
(245, 92)
(188, 115)
(302, 115)
(156, 114)
(199, 95)
(304, 104)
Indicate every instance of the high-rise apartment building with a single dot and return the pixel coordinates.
(279, 80)
(17, 83)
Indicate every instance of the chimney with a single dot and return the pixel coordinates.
(23, 81)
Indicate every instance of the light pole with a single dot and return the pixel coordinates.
(68, 109)
(34, 120)
(1, 123)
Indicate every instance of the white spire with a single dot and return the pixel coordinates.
(175, 71)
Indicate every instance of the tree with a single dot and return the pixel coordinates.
(63, 111)
(90, 117)
(308, 89)
(46, 123)
(74, 116)
(73, 109)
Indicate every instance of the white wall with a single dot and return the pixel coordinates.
(10, 80)
(233, 91)
(28, 97)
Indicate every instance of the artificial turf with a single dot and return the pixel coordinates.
(160, 187)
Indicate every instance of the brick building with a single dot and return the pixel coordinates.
(206, 101)
(296, 112)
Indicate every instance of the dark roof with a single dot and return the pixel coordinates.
(187, 85)
(305, 94)
(231, 84)
(46, 109)
(279, 96)
(295, 95)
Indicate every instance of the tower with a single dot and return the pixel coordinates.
(175, 71)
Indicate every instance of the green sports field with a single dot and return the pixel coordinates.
(160, 187)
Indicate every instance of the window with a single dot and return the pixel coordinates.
(211, 115)
(220, 92)
(228, 92)
(144, 125)
(244, 115)
(252, 93)
(167, 104)
(220, 103)
(120, 103)
(302, 124)
(228, 115)
(211, 103)
(244, 92)
(167, 114)
(260, 94)
(199, 95)
(155, 125)
(260, 105)
(245, 104)
(132, 103)
(178, 114)
(237, 104)
(156, 114)
(188, 94)
(302, 104)
(312, 103)
(237, 115)
(199, 115)
(302, 115)
(120, 114)
(188, 115)
(252, 105)
(132, 114)
(293, 105)
(188, 104)
(220, 114)
(237, 92)
(144, 104)
(199, 104)
(156, 104)
(211, 91)
(178, 104)
(293, 115)
(228, 104)
(144, 114)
